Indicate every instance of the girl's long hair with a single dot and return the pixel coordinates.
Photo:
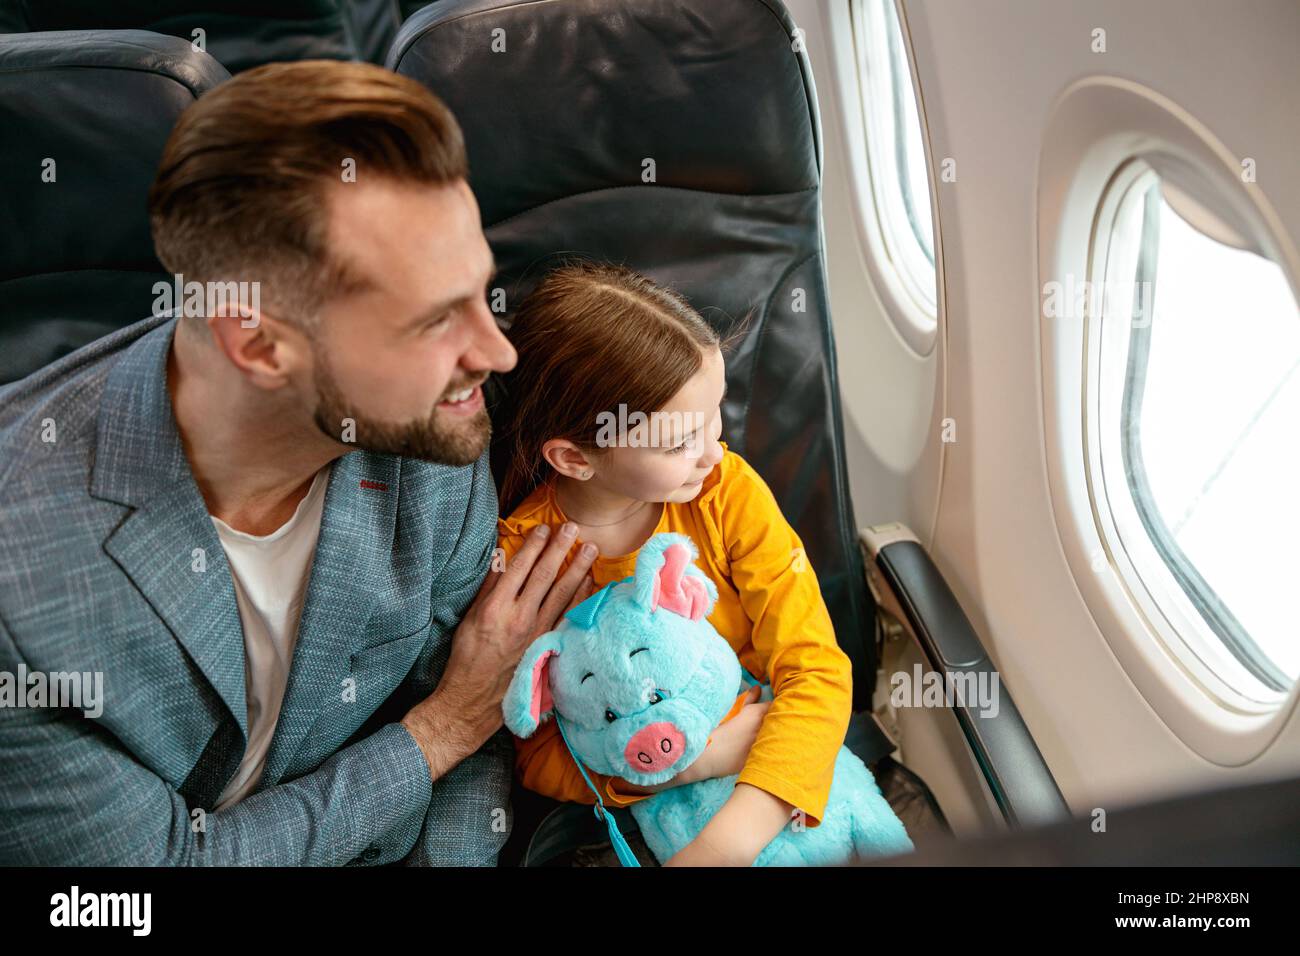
(590, 337)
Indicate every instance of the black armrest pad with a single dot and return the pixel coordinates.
(1017, 775)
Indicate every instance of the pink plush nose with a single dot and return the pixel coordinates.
(655, 748)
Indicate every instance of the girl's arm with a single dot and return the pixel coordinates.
(793, 758)
(749, 820)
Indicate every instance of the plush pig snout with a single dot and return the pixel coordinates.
(655, 747)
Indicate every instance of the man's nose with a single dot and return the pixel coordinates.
(655, 747)
(490, 350)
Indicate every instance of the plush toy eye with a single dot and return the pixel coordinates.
(610, 716)
(656, 697)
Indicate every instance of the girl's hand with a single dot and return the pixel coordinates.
(726, 752)
(729, 747)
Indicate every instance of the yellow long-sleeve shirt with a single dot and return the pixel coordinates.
(769, 609)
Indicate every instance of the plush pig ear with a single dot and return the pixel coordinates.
(666, 578)
(528, 698)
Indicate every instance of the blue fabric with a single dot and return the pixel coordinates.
(110, 563)
(623, 671)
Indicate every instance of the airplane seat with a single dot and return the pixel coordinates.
(85, 115)
(374, 24)
(681, 139)
(232, 33)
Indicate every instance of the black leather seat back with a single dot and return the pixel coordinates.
(561, 127)
(240, 34)
(76, 256)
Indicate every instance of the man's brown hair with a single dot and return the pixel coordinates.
(240, 193)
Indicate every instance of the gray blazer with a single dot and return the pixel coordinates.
(110, 564)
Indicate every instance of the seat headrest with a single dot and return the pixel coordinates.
(240, 34)
(100, 106)
(584, 92)
(85, 117)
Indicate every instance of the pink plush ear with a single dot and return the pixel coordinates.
(676, 590)
(542, 701)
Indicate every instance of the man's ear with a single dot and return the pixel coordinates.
(256, 344)
(528, 699)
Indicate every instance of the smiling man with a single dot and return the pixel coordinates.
(266, 527)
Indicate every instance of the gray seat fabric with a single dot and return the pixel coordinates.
(76, 255)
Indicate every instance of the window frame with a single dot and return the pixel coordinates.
(912, 305)
(1096, 126)
(1179, 606)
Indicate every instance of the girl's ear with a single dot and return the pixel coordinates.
(528, 699)
(566, 457)
(666, 577)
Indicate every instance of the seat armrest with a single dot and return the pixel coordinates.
(908, 586)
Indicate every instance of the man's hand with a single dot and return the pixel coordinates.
(512, 608)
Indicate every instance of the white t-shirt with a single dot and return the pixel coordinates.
(271, 574)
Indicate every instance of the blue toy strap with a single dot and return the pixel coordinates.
(621, 849)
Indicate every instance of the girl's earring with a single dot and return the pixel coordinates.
(586, 474)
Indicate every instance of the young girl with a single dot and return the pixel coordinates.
(597, 345)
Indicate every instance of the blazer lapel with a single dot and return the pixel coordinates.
(351, 569)
(167, 544)
(169, 548)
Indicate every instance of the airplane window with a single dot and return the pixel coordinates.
(1197, 395)
(896, 162)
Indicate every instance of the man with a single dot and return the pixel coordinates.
(262, 527)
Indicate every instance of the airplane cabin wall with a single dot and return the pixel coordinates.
(989, 75)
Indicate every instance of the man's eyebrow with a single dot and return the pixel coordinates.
(441, 307)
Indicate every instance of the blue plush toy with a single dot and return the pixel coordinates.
(637, 679)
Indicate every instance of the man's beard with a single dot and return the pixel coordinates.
(421, 439)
